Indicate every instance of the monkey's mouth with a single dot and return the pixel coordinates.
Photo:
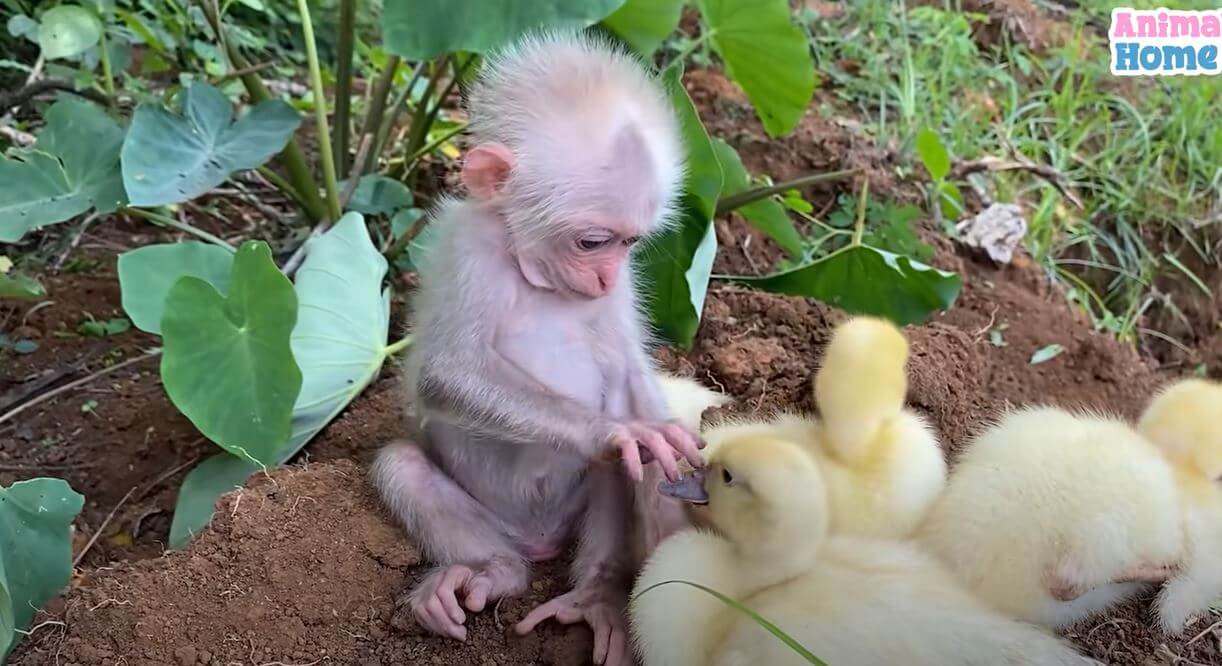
(689, 488)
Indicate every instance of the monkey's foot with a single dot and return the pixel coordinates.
(601, 608)
(1147, 572)
(1063, 589)
(435, 602)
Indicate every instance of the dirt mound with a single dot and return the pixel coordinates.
(300, 567)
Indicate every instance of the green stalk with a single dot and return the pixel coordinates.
(420, 126)
(167, 221)
(859, 228)
(108, 79)
(292, 156)
(398, 346)
(389, 120)
(751, 196)
(320, 111)
(377, 107)
(343, 82)
(411, 159)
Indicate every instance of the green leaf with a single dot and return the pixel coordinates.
(950, 199)
(25, 346)
(866, 280)
(766, 54)
(890, 228)
(340, 344)
(147, 273)
(378, 195)
(1045, 354)
(932, 153)
(35, 550)
(20, 287)
(227, 364)
(73, 167)
(645, 24)
(68, 30)
(170, 158)
(20, 25)
(676, 264)
(421, 29)
(767, 215)
(203, 486)
(103, 328)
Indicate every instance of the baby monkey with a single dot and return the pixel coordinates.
(528, 368)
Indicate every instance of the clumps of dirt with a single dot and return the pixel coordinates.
(300, 567)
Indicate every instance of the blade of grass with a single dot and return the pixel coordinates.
(320, 111)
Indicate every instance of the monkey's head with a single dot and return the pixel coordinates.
(577, 147)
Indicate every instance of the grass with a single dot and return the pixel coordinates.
(1145, 156)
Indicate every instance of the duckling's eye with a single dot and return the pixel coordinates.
(726, 477)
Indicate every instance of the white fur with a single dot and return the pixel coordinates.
(1049, 493)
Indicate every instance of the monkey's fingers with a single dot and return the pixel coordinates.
(662, 451)
(559, 608)
(477, 593)
(685, 443)
(631, 456)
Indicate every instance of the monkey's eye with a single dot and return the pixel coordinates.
(631, 240)
(726, 477)
(592, 243)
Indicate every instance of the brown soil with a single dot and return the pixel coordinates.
(301, 568)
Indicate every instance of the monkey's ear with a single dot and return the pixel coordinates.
(486, 168)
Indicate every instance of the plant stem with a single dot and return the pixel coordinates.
(167, 221)
(706, 33)
(741, 199)
(389, 120)
(320, 111)
(377, 104)
(343, 82)
(292, 156)
(859, 228)
(433, 146)
(400, 345)
(108, 81)
(396, 248)
(286, 188)
(419, 119)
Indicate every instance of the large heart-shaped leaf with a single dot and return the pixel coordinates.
(169, 158)
(675, 265)
(766, 54)
(227, 364)
(35, 549)
(865, 280)
(379, 195)
(645, 24)
(340, 344)
(146, 275)
(68, 30)
(767, 215)
(72, 168)
(419, 29)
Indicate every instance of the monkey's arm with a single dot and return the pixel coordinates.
(497, 398)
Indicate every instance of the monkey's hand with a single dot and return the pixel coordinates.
(599, 606)
(435, 602)
(637, 442)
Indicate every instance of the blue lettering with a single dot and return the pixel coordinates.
(1151, 57)
(1207, 56)
(1179, 58)
(1125, 54)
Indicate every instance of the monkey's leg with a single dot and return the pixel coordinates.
(478, 561)
(600, 570)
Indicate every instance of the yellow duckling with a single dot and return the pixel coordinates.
(849, 601)
(688, 399)
(1183, 422)
(1051, 516)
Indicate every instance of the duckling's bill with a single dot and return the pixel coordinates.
(689, 488)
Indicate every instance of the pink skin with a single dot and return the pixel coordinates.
(529, 369)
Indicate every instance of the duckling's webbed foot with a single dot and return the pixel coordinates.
(601, 607)
(1148, 572)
